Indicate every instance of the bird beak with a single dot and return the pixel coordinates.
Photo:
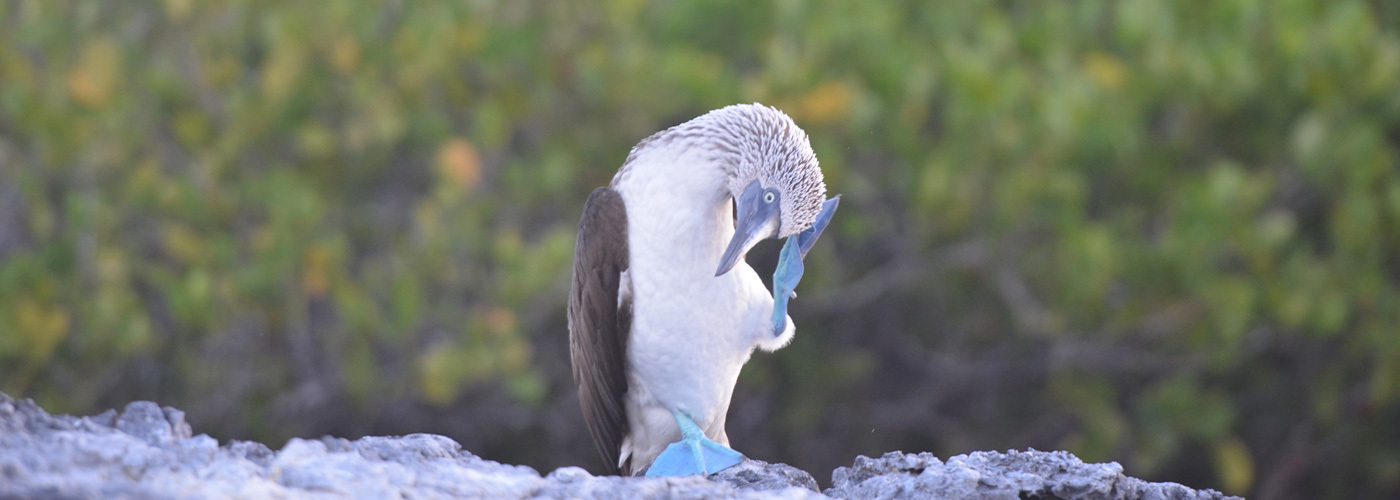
(756, 220)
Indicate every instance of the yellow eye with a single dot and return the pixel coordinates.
(768, 197)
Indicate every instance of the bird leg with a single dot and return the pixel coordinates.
(693, 454)
(789, 270)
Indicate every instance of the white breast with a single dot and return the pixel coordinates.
(691, 331)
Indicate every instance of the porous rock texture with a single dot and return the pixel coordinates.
(994, 475)
(147, 451)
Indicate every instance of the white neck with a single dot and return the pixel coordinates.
(679, 198)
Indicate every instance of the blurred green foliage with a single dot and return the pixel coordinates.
(1164, 233)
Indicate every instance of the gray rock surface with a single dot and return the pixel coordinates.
(758, 475)
(150, 452)
(994, 475)
(147, 451)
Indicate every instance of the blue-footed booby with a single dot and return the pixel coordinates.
(663, 310)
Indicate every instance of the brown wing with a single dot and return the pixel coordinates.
(599, 324)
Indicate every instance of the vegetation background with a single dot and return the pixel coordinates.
(1165, 233)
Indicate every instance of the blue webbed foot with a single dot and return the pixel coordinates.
(693, 454)
(808, 238)
(785, 280)
(789, 270)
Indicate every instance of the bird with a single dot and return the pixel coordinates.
(663, 310)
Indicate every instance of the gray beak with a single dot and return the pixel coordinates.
(757, 219)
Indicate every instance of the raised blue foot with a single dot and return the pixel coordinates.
(693, 454)
(789, 270)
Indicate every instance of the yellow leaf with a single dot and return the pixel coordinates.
(500, 322)
(1235, 466)
(827, 103)
(1106, 71)
(282, 72)
(111, 265)
(434, 381)
(345, 55)
(459, 164)
(316, 140)
(43, 326)
(514, 356)
(193, 129)
(314, 273)
(183, 243)
(91, 82)
(470, 37)
(178, 10)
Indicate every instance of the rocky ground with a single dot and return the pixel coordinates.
(146, 451)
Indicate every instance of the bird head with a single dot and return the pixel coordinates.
(776, 182)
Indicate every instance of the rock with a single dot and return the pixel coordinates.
(762, 476)
(147, 451)
(153, 424)
(993, 475)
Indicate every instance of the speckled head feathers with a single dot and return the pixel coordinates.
(756, 142)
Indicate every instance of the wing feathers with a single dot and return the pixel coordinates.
(599, 323)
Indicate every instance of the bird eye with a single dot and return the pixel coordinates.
(768, 197)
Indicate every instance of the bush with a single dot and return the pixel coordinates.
(1163, 233)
